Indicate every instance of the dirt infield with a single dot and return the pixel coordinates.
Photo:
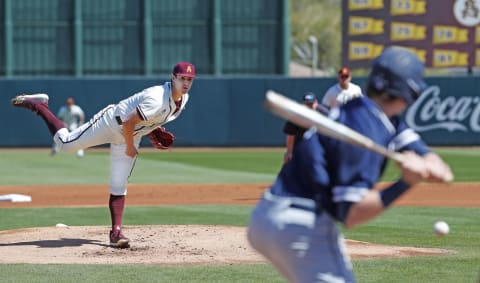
(161, 244)
(425, 194)
(179, 244)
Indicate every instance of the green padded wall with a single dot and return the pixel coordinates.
(230, 112)
(80, 38)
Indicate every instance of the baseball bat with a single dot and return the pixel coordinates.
(307, 118)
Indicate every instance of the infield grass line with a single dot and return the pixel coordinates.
(29, 167)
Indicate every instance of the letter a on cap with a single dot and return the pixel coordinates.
(184, 69)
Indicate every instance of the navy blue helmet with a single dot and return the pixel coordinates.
(399, 72)
(309, 97)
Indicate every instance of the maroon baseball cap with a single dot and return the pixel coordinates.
(184, 69)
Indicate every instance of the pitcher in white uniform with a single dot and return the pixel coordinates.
(73, 117)
(122, 126)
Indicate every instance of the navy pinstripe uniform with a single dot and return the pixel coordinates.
(328, 181)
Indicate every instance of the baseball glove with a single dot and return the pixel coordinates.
(161, 138)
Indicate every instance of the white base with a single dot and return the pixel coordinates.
(15, 198)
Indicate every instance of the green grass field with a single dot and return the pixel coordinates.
(405, 226)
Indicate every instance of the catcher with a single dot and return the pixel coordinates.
(122, 126)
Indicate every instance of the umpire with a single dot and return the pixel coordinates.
(294, 132)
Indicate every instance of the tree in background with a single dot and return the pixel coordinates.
(321, 19)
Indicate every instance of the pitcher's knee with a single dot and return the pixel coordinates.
(63, 142)
(118, 190)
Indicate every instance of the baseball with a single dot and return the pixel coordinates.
(440, 228)
(80, 153)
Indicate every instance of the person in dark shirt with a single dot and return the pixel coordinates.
(294, 132)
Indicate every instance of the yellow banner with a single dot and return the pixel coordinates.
(449, 58)
(477, 57)
(407, 31)
(422, 54)
(365, 4)
(477, 35)
(408, 7)
(449, 34)
(364, 25)
(359, 50)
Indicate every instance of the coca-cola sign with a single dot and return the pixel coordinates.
(452, 113)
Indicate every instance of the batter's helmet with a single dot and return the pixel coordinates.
(398, 72)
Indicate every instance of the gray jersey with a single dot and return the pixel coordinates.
(72, 116)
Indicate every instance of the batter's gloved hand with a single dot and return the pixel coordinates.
(161, 138)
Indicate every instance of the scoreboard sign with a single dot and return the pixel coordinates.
(442, 33)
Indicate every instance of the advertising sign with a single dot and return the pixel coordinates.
(444, 117)
(442, 33)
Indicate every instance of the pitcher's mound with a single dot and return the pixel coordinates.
(155, 244)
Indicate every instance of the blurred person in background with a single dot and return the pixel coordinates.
(73, 117)
(294, 132)
(343, 91)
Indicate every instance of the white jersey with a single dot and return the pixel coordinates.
(71, 116)
(155, 105)
(336, 95)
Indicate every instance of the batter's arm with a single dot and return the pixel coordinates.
(368, 208)
(128, 130)
(439, 171)
(414, 170)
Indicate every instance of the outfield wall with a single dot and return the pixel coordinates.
(229, 111)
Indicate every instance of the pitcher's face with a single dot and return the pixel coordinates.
(182, 84)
